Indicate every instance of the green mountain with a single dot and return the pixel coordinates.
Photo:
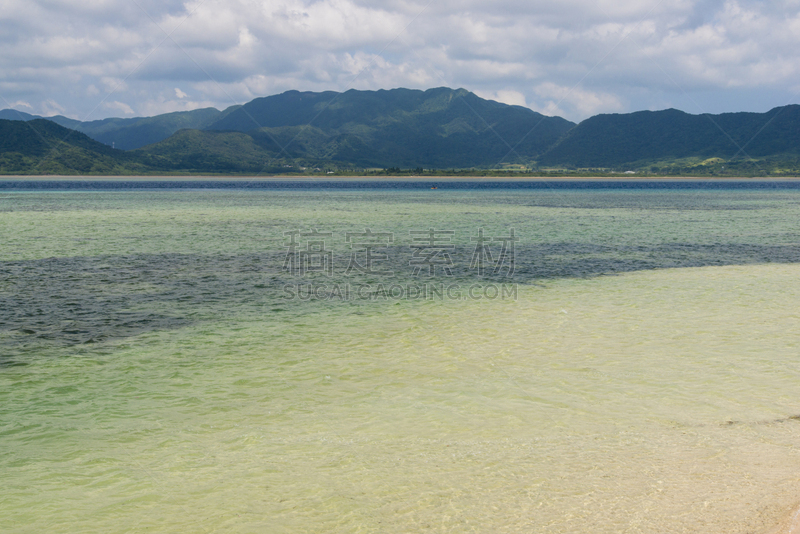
(619, 140)
(41, 146)
(197, 151)
(437, 128)
(128, 134)
(15, 115)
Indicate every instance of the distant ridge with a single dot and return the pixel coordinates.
(128, 134)
(436, 128)
(625, 139)
(439, 128)
(16, 115)
(41, 146)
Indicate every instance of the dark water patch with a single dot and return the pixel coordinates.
(4, 362)
(567, 260)
(59, 302)
(490, 202)
(400, 185)
(83, 301)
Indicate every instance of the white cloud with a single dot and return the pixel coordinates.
(114, 85)
(50, 107)
(21, 104)
(621, 55)
(119, 106)
(572, 101)
(164, 104)
(512, 98)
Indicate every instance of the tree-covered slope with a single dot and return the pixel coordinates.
(200, 151)
(41, 146)
(131, 133)
(617, 139)
(16, 115)
(435, 129)
(401, 127)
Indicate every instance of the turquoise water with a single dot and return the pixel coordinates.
(159, 370)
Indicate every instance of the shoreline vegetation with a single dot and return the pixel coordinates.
(699, 171)
(480, 177)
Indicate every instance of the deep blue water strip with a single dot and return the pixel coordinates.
(113, 185)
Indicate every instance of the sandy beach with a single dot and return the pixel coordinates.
(790, 525)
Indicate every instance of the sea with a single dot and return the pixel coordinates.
(359, 356)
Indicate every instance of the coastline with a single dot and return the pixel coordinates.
(790, 524)
(356, 178)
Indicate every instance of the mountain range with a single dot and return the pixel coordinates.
(129, 134)
(646, 136)
(439, 128)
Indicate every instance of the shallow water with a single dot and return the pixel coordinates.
(154, 376)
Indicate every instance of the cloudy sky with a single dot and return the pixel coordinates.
(92, 59)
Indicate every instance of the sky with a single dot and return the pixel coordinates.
(92, 59)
